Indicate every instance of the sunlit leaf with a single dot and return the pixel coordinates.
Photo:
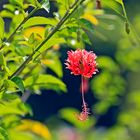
(53, 41)
(22, 135)
(40, 21)
(9, 7)
(34, 127)
(46, 81)
(37, 30)
(91, 18)
(14, 106)
(17, 2)
(6, 13)
(52, 64)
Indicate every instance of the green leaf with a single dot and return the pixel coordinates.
(52, 64)
(10, 7)
(45, 81)
(14, 106)
(53, 41)
(86, 25)
(114, 5)
(106, 63)
(3, 134)
(11, 121)
(2, 61)
(1, 28)
(119, 1)
(46, 5)
(31, 38)
(34, 21)
(23, 135)
(18, 81)
(6, 13)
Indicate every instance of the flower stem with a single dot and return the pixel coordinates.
(69, 12)
(18, 27)
(83, 99)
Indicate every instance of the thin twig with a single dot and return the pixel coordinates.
(18, 27)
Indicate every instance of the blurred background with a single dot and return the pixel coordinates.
(113, 94)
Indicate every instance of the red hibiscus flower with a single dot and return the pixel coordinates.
(82, 62)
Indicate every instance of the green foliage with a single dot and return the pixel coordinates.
(3, 134)
(45, 81)
(30, 48)
(17, 2)
(18, 81)
(41, 21)
(12, 105)
(1, 28)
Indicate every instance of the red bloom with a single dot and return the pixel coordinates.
(82, 62)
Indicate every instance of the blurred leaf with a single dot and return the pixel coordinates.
(69, 114)
(40, 21)
(3, 134)
(22, 135)
(18, 81)
(101, 107)
(91, 18)
(10, 121)
(108, 86)
(106, 63)
(86, 24)
(14, 106)
(128, 54)
(46, 5)
(119, 1)
(34, 127)
(1, 28)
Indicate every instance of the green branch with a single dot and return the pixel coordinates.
(69, 12)
(18, 27)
